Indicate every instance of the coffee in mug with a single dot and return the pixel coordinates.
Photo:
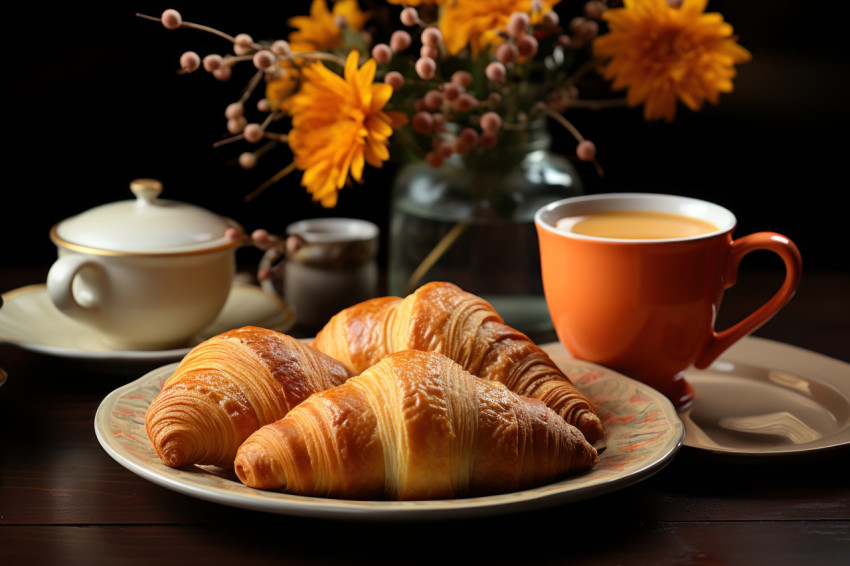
(635, 224)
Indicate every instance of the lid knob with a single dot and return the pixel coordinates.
(146, 190)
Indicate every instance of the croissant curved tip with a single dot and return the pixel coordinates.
(253, 467)
(173, 458)
(243, 472)
(167, 445)
(591, 427)
(174, 452)
(177, 446)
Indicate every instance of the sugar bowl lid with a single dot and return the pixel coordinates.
(146, 225)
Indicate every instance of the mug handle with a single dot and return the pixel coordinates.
(60, 279)
(267, 267)
(718, 342)
(277, 254)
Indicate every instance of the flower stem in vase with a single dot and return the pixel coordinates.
(442, 246)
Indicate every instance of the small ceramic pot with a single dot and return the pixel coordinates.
(330, 264)
(146, 273)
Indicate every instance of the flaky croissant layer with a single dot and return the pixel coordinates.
(441, 317)
(227, 387)
(414, 426)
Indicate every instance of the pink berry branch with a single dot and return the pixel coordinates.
(266, 59)
(446, 99)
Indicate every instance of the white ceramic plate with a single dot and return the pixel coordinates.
(29, 320)
(765, 398)
(643, 432)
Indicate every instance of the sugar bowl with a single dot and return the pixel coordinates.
(146, 273)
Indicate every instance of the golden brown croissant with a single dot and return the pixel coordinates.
(414, 426)
(229, 386)
(441, 317)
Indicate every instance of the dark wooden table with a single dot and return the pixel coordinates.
(63, 500)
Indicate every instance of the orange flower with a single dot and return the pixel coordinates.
(661, 54)
(319, 31)
(477, 22)
(338, 125)
(316, 32)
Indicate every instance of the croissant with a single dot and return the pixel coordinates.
(229, 386)
(443, 318)
(414, 426)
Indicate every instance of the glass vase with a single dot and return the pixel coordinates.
(471, 222)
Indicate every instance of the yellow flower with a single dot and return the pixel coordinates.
(338, 125)
(661, 54)
(477, 22)
(319, 31)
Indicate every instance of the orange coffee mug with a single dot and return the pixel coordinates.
(634, 281)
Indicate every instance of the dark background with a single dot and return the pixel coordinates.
(92, 100)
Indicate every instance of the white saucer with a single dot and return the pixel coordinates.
(29, 320)
(764, 398)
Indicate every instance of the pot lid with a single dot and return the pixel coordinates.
(147, 224)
